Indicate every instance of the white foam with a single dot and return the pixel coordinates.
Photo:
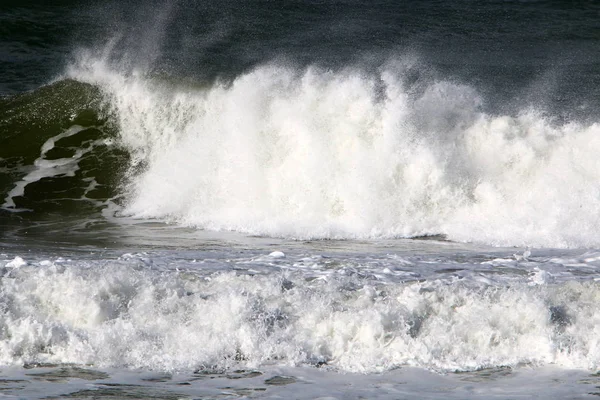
(321, 154)
(16, 263)
(130, 312)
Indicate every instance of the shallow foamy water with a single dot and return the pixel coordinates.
(257, 317)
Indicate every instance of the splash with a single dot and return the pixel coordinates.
(127, 312)
(316, 153)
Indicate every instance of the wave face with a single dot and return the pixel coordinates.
(57, 153)
(135, 312)
(313, 153)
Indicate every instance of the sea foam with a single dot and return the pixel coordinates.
(123, 312)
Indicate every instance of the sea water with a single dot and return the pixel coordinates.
(334, 200)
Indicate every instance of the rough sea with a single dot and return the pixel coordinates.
(240, 199)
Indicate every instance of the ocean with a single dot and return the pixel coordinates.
(300, 199)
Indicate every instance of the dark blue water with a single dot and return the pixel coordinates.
(544, 53)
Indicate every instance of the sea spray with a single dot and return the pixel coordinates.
(317, 153)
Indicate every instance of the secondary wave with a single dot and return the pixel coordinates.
(128, 312)
(315, 153)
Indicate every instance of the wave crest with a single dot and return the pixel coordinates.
(347, 154)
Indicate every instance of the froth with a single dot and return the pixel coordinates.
(321, 154)
(123, 313)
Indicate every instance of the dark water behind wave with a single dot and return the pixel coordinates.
(516, 50)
